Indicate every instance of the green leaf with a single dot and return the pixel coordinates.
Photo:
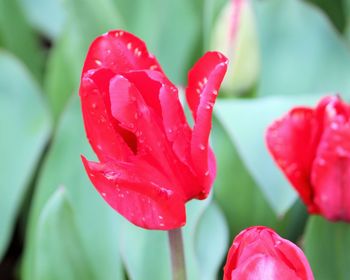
(327, 247)
(63, 69)
(47, 16)
(17, 36)
(246, 121)
(97, 223)
(25, 127)
(234, 188)
(347, 27)
(146, 253)
(242, 201)
(211, 242)
(300, 56)
(334, 9)
(60, 254)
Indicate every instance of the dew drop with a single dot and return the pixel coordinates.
(341, 151)
(334, 126)
(111, 175)
(103, 194)
(202, 147)
(129, 45)
(98, 62)
(131, 125)
(206, 173)
(321, 162)
(215, 92)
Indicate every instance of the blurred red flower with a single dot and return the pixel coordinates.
(150, 161)
(312, 147)
(260, 253)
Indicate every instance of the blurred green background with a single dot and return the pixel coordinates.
(54, 225)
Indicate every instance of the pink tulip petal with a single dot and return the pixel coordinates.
(120, 52)
(139, 192)
(131, 110)
(204, 81)
(331, 171)
(292, 142)
(259, 253)
(104, 139)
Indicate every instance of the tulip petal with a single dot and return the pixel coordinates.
(170, 124)
(139, 192)
(120, 52)
(162, 96)
(260, 253)
(331, 171)
(261, 266)
(203, 84)
(103, 137)
(213, 66)
(292, 142)
(131, 110)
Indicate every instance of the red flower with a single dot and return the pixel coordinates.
(260, 253)
(312, 147)
(150, 161)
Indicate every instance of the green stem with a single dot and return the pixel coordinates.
(177, 254)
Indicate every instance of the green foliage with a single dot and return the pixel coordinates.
(19, 38)
(97, 224)
(59, 260)
(327, 248)
(25, 127)
(300, 56)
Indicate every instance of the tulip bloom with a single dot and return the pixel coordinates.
(312, 147)
(151, 162)
(260, 253)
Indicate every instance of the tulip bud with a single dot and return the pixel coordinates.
(260, 253)
(235, 35)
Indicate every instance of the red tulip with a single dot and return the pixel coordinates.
(151, 162)
(259, 253)
(312, 147)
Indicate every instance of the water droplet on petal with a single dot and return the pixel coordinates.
(202, 147)
(341, 151)
(321, 162)
(334, 126)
